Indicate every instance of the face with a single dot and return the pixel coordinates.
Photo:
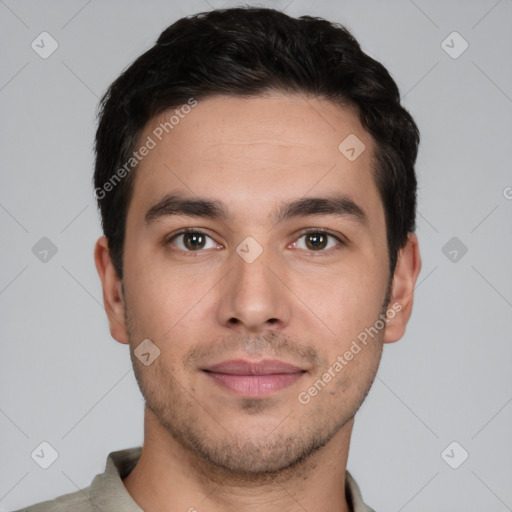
(255, 255)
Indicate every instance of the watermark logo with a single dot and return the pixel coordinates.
(44, 250)
(44, 455)
(351, 147)
(454, 455)
(249, 250)
(146, 352)
(454, 45)
(44, 45)
(454, 249)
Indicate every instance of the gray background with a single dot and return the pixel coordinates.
(65, 381)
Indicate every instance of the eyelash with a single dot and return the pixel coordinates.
(313, 231)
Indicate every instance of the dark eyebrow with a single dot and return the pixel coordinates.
(173, 204)
(339, 205)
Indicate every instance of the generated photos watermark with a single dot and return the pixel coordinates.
(305, 397)
(151, 142)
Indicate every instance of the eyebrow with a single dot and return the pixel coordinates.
(338, 205)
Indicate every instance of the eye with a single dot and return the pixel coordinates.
(317, 240)
(192, 240)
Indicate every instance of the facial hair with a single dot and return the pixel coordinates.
(257, 454)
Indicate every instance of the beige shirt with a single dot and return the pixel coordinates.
(108, 493)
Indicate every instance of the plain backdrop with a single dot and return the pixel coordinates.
(66, 382)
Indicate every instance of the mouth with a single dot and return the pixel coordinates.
(253, 379)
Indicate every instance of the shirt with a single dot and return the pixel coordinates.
(108, 493)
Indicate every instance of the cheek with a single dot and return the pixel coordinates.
(346, 302)
(164, 301)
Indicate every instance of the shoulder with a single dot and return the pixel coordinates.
(106, 492)
(78, 501)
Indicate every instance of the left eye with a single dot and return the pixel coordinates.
(316, 241)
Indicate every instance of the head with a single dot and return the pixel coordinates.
(233, 125)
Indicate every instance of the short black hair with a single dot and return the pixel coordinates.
(247, 52)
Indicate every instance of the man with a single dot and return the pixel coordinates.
(255, 177)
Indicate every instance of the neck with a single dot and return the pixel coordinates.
(169, 477)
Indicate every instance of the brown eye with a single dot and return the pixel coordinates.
(192, 241)
(317, 241)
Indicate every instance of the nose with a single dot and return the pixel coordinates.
(253, 297)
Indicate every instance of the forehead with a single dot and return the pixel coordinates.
(252, 152)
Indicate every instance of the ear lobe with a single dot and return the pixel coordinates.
(112, 291)
(407, 269)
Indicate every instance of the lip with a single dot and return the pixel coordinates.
(251, 378)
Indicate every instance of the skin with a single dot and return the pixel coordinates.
(207, 447)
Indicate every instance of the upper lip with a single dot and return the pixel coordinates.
(243, 367)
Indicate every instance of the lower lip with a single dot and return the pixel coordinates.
(255, 385)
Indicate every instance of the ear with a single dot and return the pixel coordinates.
(112, 291)
(407, 268)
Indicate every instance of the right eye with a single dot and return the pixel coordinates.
(192, 241)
